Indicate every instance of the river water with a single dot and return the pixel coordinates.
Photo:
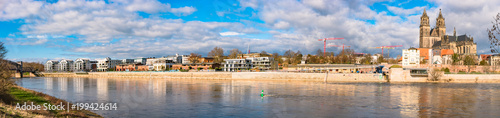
(240, 98)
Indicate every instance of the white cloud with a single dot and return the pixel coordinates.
(14, 9)
(405, 12)
(183, 10)
(25, 41)
(249, 3)
(230, 33)
(292, 25)
(311, 22)
(148, 6)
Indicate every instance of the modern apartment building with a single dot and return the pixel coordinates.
(150, 61)
(231, 65)
(162, 64)
(262, 63)
(66, 65)
(51, 66)
(140, 60)
(127, 61)
(184, 59)
(107, 63)
(84, 64)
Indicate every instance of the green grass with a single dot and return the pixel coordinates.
(20, 96)
(24, 96)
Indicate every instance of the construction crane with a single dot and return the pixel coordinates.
(388, 47)
(339, 46)
(324, 43)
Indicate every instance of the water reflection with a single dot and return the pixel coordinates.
(63, 84)
(78, 85)
(102, 89)
(238, 98)
(48, 83)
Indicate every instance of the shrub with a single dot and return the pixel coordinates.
(396, 66)
(446, 70)
(435, 74)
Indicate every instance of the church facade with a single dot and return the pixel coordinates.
(436, 37)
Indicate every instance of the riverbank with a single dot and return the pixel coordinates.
(331, 77)
(395, 75)
(22, 95)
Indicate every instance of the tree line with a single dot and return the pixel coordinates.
(290, 57)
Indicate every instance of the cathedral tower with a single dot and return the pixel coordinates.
(440, 25)
(424, 30)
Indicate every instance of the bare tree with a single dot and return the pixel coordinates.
(456, 59)
(234, 53)
(469, 61)
(194, 58)
(380, 59)
(5, 75)
(492, 35)
(435, 74)
(367, 59)
(319, 53)
(34, 65)
(3, 51)
(290, 57)
(217, 53)
(277, 61)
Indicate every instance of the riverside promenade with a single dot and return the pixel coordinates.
(395, 75)
(351, 77)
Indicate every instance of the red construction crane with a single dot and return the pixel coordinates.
(339, 46)
(324, 43)
(388, 47)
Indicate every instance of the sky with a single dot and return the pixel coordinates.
(35, 30)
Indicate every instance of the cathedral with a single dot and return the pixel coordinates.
(436, 38)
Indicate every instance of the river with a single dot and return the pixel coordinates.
(241, 98)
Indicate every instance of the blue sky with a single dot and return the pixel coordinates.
(70, 29)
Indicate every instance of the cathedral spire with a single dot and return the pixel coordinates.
(454, 32)
(440, 15)
(425, 14)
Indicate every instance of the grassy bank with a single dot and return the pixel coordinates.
(21, 95)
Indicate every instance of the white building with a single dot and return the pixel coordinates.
(162, 63)
(150, 61)
(184, 59)
(263, 63)
(66, 65)
(494, 60)
(51, 66)
(411, 57)
(172, 57)
(127, 61)
(140, 60)
(83, 64)
(107, 63)
(231, 65)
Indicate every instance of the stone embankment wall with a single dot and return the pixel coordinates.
(400, 75)
(351, 77)
(479, 78)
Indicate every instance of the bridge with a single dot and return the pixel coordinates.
(18, 67)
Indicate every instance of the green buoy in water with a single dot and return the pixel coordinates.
(262, 93)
